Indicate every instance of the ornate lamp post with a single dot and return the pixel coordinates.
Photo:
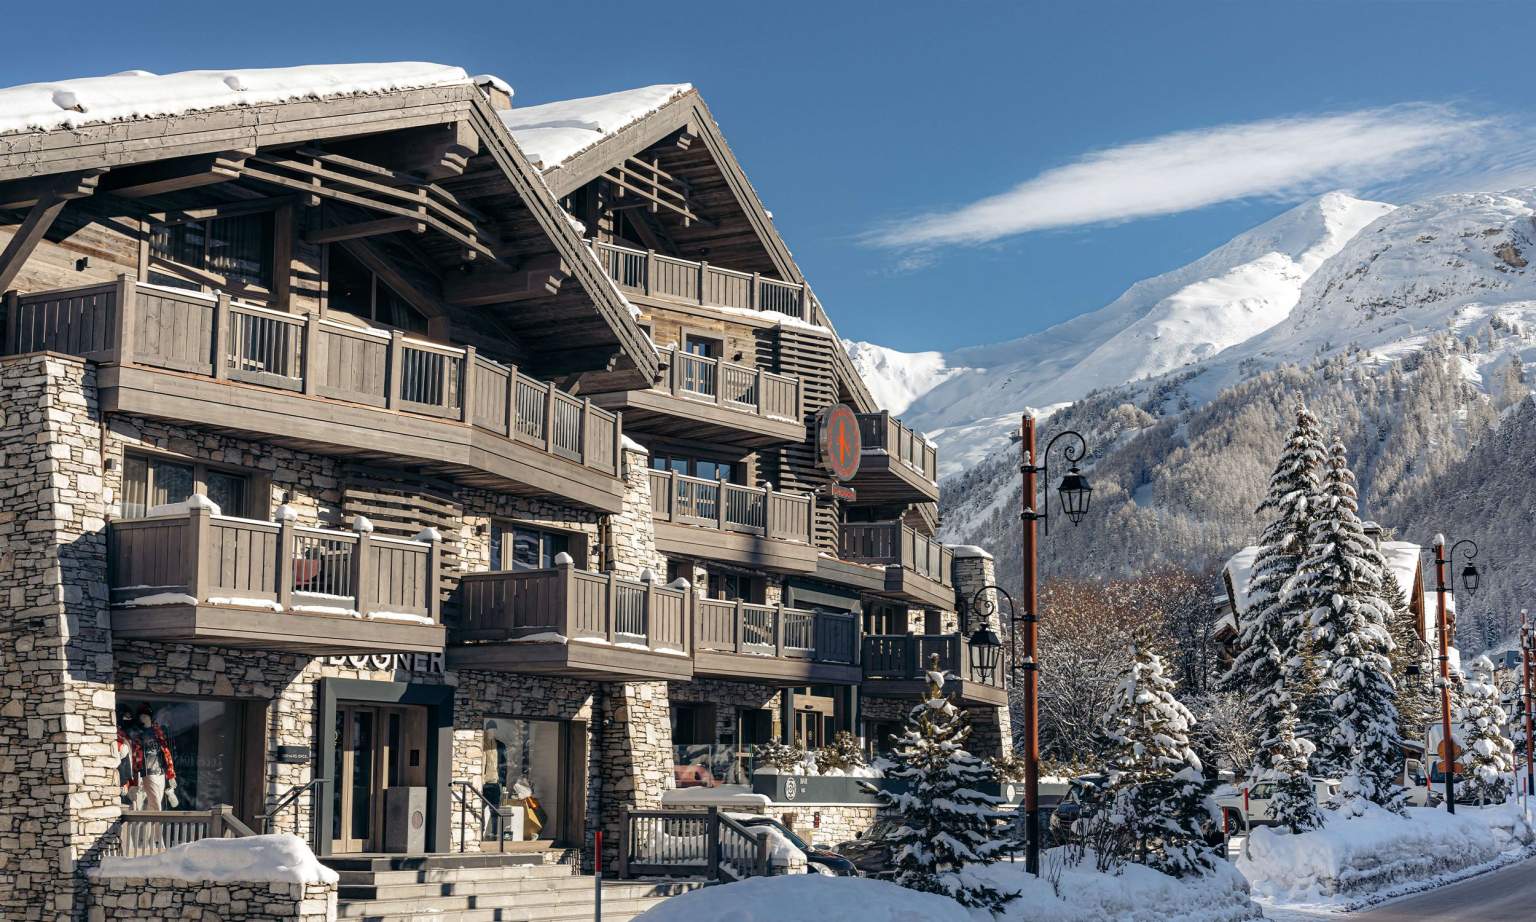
(1526, 640)
(1469, 581)
(980, 608)
(1075, 495)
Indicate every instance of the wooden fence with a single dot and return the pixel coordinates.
(773, 630)
(885, 432)
(649, 273)
(150, 832)
(717, 504)
(692, 843)
(751, 390)
(899, 544)
(575, 605)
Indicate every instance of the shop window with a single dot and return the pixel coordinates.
(180, 754)
(150, 481)
(524, 772)
(232, 254)
(353, 288)
(518, 547)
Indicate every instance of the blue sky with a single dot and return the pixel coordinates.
(1143, 134)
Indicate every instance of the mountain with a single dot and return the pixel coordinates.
(895, 379)
(968, 400)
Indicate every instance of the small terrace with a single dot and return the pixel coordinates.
(701, 397)
(717, 520)
(896, 666)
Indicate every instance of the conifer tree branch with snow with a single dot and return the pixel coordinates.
(1488, 755)
(1294, 805)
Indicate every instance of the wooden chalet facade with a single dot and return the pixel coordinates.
(394, 439)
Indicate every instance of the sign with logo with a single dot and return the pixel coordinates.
(414, 663)
(838, 441)
(838, 491)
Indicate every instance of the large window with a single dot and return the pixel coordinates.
(354, 289)
(707, 468)
(231, 254)
(150, 481)
(195, 743)
(518, 547)
(524, 772)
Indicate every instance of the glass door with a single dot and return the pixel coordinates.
(354, 784)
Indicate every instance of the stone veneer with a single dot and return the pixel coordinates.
(58, 775)
(634, 754)
(972, 572)
(124, 898)
(632, 533)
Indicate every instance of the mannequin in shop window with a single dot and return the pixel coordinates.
(152, 779)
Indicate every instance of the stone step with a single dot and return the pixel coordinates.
(511, 906)
(534, 885)
(451, 875)
(573, 911)
(446, 861)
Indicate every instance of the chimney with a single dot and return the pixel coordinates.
(497, 91)
(1373, 531)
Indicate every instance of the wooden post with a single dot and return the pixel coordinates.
(623, 846)
(566, 595)
(221, 337)
(199, 536)
(586, 421)
(396, 367)
(703, 275)
(778, 631)
(312, 358)
(611, 607)
(720, 501)
(12, 323)
(755, 299)
(719, 369)
(741, 627)
(362, 571)
(549, 417)
(125, 317)
(671, 495)
(712, 837)
(618, 443)
(650, 272)
(805, 302)
(650, 613)
(760, 399)
(512, 402)
(285, 546)
(768, 530)
(467, 388)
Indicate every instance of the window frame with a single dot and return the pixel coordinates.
(371, 321)
(208, 281)
(257, 484)
(575, 544)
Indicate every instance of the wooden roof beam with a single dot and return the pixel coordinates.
(23, 193)
(340, 232)
(538, 278)
(175, 174)
(44, 211)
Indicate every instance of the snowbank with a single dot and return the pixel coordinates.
(276, 858)
(1353, 857)
(807, 898)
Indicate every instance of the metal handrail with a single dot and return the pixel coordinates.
(464, 804)
(287, 800)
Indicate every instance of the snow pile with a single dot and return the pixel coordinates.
(276, 858)
(807, 898)
(1352, 857)
(554, 132)
(141, 94)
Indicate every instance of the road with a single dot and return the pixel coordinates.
(1505, 895)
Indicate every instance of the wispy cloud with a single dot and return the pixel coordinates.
(1192, 169)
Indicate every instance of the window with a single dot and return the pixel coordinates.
(730, 587)
(696, 467)
(198, 742)
(231, 254)
(353, 288)
(702, 346)
(150, 481)
(517, 547)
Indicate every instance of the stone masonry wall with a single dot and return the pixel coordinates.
(58, 781)
(118, 899)
(633, 531)
(634, 758)
(973, 570)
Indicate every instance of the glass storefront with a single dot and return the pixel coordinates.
(525, 772)
(179, 754)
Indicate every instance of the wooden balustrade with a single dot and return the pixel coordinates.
(149, 832)
(773, 630)
(739, 387)
(894, 543)
(202, 559)
(884, 432)
(724, 506)
(691, 843)
(649, 273)
(909, 657)
(186, 331)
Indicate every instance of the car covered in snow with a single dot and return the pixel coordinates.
(1248, 804)
(817, 860)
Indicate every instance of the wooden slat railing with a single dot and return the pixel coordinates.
(150, 832)
(774, 514)
(201, 334)
(884, 432)
(198, 558)
(691, 843)
(773, 630)
(575, 605)
(895, 543)
(751, 390)
(649, 273)
(908, 656)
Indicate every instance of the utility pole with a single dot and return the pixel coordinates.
(1448, 742)
(1029, 664)
(1525, 671)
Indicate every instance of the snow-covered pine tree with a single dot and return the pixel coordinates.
(1155, 783)
(1488, 756)
(1294, 805)
(1339, 585)
(1270, 627)
(1416, 703)
(844, 754)
(947, 825)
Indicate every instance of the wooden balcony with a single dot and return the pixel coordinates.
(570, 622)
(917, 568)
(201, 578)
(774, 644)
(896, 665)
(898, 466)
(327, 387)
(715, 400)
(681, 281)
(750, 526)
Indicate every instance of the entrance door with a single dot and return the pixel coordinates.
(376, 748)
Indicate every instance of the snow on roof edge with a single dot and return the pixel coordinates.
(551, 134)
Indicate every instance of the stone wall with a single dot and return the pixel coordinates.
(634, 754)
(972, 572)
(633, 531)
(124, 898)
(58, 776)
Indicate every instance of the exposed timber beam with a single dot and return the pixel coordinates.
(427, 302)
(341, 232)
(31, 231)
(23, 193)
(539, 278)
(175, 174)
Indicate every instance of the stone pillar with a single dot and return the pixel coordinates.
(633, 531)
(58, 768)
(635, 754)
(973, 570)
(787, 716)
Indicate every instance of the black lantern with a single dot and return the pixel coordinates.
(985, 649)
(1075, 494)
(1469, 578)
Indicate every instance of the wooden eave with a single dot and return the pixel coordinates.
(774, 670)
(656, 412)
(577, 660)
(675, 539)
(262, 629)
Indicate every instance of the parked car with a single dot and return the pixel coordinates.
(1417, 785)
(870, 852)
(1249, 805)
(817, 860)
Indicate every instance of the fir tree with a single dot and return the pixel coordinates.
(1294, 805)
(1339, 585)
(1416, 704)
(1270, 627)
(948, 825)
(1488, 756)
(1155, 785)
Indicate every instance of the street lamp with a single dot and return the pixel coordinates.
(1469, 580)
(1526, 650)
(1075, 494)
(978, 611)
(985, 649)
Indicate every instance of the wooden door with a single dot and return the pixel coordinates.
(377, 748)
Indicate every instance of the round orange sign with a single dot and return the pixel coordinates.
(839, 441)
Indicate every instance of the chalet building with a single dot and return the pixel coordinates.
(377, 452)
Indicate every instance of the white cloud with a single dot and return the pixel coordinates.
(1192, 169)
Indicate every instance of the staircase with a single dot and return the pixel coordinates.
(484, 888)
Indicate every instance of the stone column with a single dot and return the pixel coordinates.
(973, 570)
(635, 749)
(633, 531)
(58, 768)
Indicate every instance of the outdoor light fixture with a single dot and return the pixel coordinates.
(1075, 494)
(985, 649)
(1469, 578)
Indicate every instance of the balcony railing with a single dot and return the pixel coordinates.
(158, 327)
(726, 384)
(909, 657)
(893, 543)
(775, 515)
(202, 559)
(566, 604)
(773, 630)
(649, 273)
(883, 432)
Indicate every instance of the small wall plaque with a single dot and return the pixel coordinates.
(293, 755)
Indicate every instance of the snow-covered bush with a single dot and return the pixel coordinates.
(779, 756)
(845, 755)
(1008, 767)
(1488, 755)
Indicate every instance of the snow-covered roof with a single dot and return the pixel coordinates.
(139, 94)
(1403, 563)
(554, 132)
(963, 551)
(1239, 569)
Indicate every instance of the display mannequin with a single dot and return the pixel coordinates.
(153, 768)
(126, 779)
